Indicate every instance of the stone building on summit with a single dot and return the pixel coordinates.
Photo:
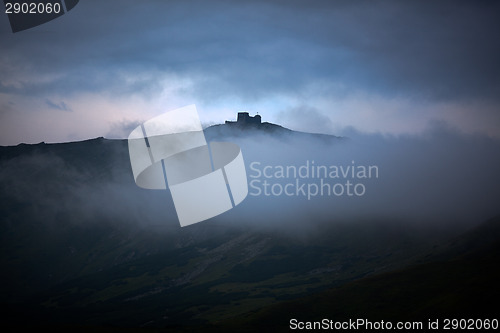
(244, 119)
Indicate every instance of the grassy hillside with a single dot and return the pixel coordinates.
(462, 283)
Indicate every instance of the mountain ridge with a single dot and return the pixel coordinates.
(212, 131)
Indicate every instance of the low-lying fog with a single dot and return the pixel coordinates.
(441, 176)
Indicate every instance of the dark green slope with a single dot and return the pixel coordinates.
(220, 277)
(462, 283)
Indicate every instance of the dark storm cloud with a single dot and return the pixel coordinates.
(61, 106)
(253, 49)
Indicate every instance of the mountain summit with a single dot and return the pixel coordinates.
(249, 125)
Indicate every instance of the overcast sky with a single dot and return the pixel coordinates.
(392, 67)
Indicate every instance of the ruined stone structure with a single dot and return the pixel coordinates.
(245, 119)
